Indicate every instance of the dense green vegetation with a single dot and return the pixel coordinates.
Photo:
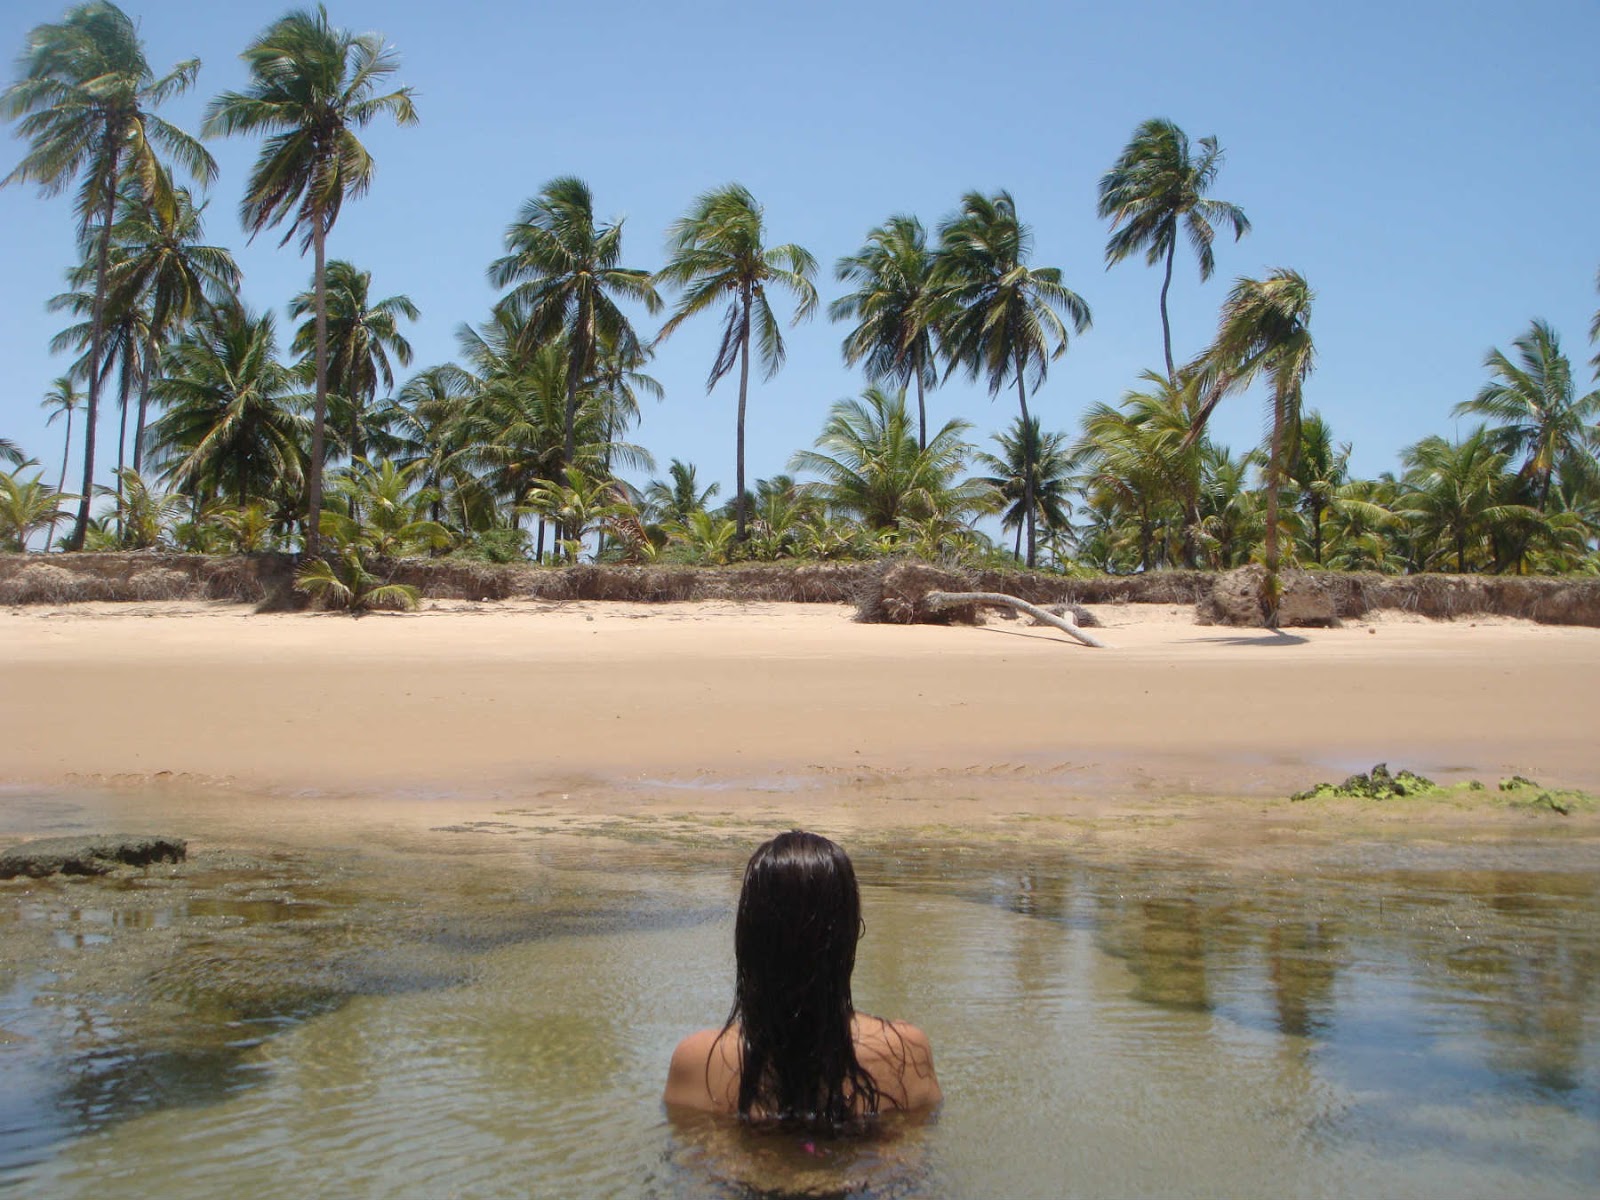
(520, 448)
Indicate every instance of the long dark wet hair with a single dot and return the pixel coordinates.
(795, 946)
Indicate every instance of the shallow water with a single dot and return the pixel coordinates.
(487, 1019)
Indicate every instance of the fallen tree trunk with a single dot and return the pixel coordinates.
(938, 600)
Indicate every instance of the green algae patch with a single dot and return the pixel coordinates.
(1517, 792)
(1376, 784)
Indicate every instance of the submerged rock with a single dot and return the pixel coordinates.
(93, 855)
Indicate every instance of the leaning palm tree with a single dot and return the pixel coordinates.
(873, 470)
(361, 335)
(1536, 414)
(718, 256)
(311, 87)
(84, 104)
(565, 280)
(895, 307)
(1002, 318)
(62, 400)
(1155, 184)
(1264, 330)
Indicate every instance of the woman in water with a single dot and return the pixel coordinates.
(794, 1048)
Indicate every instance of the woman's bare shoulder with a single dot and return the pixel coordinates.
(900, 1057)
(702, 1067)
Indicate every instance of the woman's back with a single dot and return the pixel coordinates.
(706, 1067)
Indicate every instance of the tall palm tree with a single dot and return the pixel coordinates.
(873, 470)
(1264, 330)
(1026, 449)
(161, 265)
(84, 104)
(1156, 183)
(564, 277)
(1537, 415)
(233, 425)
(311, 87)
(1002, 319)
(62, 400)
(361, 335)
(718, 256)
(895, 309)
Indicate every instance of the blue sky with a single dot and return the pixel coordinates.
(1432, 170)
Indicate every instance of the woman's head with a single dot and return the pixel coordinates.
(795, 945)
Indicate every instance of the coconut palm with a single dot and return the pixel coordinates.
(161, 266)
(1536, 414)
(1264, 330)
(895, 309)
(233, 425)
(62, 400)
(565, 280)
(26, 506)
(1455, 497)
(1157, 183)
(311, 87)
(84, 103)
(873, 470)
(1319, 469)
(1025, 448)
(361, 335)
(718, 255)
(425, 422)
(144, 516)
(1002, 319)
(679, 495)
(580, 504)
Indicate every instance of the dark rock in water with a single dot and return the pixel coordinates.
(93, 855)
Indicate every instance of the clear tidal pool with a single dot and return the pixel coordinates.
(494, 1019)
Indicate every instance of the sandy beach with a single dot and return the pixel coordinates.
(605, 708)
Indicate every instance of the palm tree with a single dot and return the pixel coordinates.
(161, 266)
(12, 453)
(312, 86)
(1025, 449)
(426, 422)
(61, 400)
(679, 495)
(1155, 183)
(894, 307)
(563, 274)
(1536, 414)
(717, 256)
(1264, 329)
(83, 102)
(873, 470)
(1456, 495)
(1319, 469)
(361, 334)
(25, 508)
(1003, 318)
(233, 425)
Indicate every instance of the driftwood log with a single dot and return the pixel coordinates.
(938, 600)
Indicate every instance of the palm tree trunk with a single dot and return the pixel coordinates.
(80, 527)
(1269, 601)
(146, 377)
(1027, 461)
(922, 409)
(122, 441)
(1166, 326)
(744, 391)
(66, 453)
(319, 411)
